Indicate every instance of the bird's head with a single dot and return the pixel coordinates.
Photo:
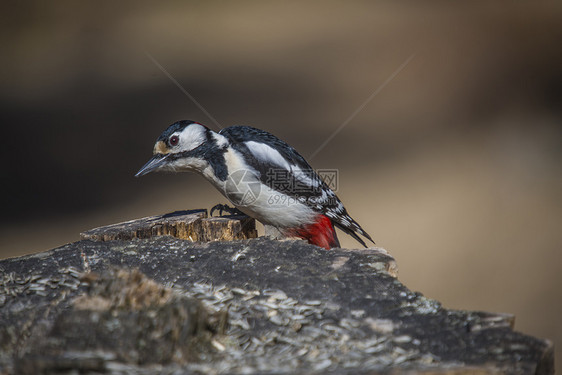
(181, 147)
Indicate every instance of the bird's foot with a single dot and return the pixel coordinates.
(225, 208)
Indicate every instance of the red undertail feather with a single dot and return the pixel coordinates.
(321, 233)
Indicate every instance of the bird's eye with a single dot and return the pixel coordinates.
(174, 140)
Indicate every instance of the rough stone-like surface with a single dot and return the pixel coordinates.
(193, 225)
(292, 308)
(125, 318)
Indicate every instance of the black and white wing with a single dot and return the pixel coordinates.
(283, 169)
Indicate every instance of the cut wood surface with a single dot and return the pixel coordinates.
(193, 225)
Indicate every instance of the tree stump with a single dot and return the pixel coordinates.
(192, 225)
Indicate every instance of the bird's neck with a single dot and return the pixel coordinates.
(218, 140)
(212, 163)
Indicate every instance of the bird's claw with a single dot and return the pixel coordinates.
(225, 208)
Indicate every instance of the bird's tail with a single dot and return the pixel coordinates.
(351, 227)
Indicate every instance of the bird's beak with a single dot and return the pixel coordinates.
(156, 162)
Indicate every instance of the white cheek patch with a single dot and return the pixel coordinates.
(191, 137)
(266, 153)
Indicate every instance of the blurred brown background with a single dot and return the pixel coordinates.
(454, 166)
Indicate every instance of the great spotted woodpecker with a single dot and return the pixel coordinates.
(261, 175)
